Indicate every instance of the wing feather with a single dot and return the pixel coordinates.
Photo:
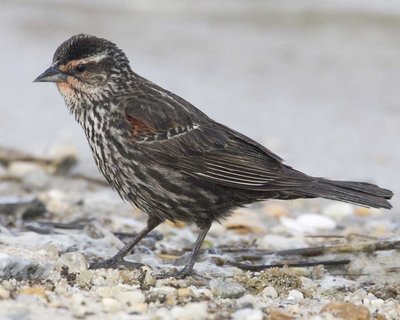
(176, 134)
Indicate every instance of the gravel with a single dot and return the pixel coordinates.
(44, 259)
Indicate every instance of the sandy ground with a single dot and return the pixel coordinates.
(54, 223)
(314, 81)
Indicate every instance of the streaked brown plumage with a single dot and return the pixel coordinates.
(168, 158)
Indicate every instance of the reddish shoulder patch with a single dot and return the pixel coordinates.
(139, 128)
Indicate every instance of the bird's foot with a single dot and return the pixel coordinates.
(181, 274)
(115, 263)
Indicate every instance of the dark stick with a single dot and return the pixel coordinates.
(94, 180)
(261, 267)
(369, 246)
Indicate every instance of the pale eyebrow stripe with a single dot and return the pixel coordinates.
(96, 58)
(72, 63)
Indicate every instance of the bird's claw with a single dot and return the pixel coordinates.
(115, 263)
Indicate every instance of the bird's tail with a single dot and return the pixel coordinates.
(361, 193)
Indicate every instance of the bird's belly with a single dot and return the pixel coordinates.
(173, 195)
(154, 188)
(160, 191)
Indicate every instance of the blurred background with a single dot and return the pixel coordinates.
(315, 81)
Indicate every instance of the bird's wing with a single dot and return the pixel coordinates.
(173, 132)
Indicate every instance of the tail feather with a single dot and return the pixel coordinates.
(360, 193)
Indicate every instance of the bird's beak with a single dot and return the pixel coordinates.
(52, 74)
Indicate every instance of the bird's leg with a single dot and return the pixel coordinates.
(118, 259)
(188, 268)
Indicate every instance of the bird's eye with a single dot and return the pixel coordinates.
(80, 68)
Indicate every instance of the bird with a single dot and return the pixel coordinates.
(168, 158)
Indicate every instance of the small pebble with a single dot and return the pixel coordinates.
(75, 261)
(33, 291)
(103, 278)
(191, 311)
(308, 222)
(244, 221)
(184, 292)
(107, 291)
(226, 290)
(216, 229)
(277, 314)
(295, 295)
(131, 277)
(130, 297)
(377, 303)
(168, 292)
(275, 211)
(270, 292)
(363, 212)
(247, 314)
(246, 301)
(4, 294)
(358, 295)
(273, 241)
(347, 311)
(21, 168)
(164, 290)
(338, 210)
(149, 279)
(202, 292)
(372, 301)
(56, 201)
(110, 305)
(78, 305)
(84, 278)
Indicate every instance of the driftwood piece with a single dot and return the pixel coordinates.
(99, 181)
(367, 246)
(348, 248)
(48, 227)
(300, 264)
(57, 165)
(27, 206)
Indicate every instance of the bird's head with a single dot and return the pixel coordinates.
(87, 68)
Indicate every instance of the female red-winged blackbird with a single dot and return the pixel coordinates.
(168, 158)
